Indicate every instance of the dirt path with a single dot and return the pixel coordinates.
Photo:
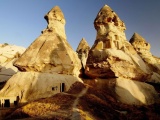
(76, 114)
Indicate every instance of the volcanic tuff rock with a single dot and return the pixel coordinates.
(50, 52)
(83, 50)
(30, 86)
(8, 54)
(47, 63)
(112, 55)
(143, 49)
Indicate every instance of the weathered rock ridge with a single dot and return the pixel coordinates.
(8, 54)
(143, 49)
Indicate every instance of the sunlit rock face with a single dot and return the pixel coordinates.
(110, 29)
(83, 50)
(30, 86)
(8, 54)
(112, 55)
(143, 49)
(48, 65)
(127, 91)
(50, 52)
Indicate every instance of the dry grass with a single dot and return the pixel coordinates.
(96, 104)
(38, 108)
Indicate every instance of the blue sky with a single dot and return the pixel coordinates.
(21, 21)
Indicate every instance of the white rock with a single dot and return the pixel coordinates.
(135, 92)
(34, 85)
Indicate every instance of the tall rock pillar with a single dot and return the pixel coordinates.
(51, 52)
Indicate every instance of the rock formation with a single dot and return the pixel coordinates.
(112, 56)
(143, 49)
(48, 66)
(8, 54)
(83, 50)
(50, 52)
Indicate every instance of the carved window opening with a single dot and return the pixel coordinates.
(54, 88)
(115, 20)
(109, 19)
(62, 87)
(6, 103)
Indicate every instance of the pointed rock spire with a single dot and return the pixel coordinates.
(139, 43)
(112, 55)
(55, 14)
(51, 52)
(83, 45)
(109, 27)
(136, 37)
(56, 21)
(83, 50)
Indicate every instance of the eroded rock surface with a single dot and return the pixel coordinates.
(30, 86)
(112, 58)
(143, 49)
(83, 50)
(8, 54)
(50, 52)
(48, 66)
(112, 55)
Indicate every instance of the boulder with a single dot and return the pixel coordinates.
(50, 52)
(8, 54)
(143, 49)
(126, 91)
(112, 55)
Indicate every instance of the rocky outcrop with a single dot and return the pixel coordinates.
(30, 86)
(83, 50)
(112, 58)
(112, 55)
(143, 49)
(8, 54)
(50, 52)
(48, 66)
(127, 91)
(135, 92)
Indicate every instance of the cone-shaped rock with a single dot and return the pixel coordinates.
(50, 52)
(83, 50)
(48, 66)
(109, 28)
(112, 55)
(143, 49)
(139, 43)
